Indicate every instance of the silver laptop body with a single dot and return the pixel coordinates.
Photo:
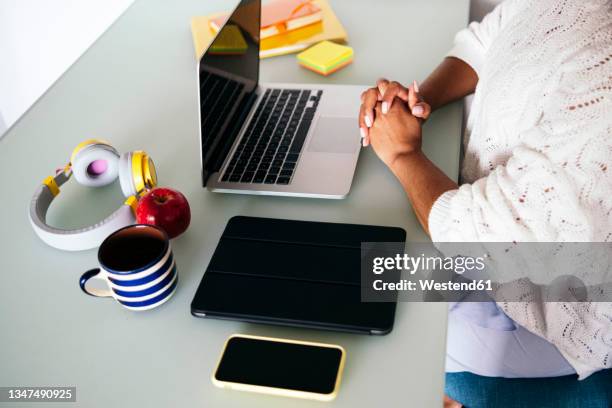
(297, 140)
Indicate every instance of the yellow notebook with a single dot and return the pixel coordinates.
(288, 42)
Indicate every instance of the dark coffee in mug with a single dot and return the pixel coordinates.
(132, 248)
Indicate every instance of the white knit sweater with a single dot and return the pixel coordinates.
(538, 151)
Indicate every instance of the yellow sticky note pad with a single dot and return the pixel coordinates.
(326, 57)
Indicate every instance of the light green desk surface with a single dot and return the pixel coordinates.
(136, 87)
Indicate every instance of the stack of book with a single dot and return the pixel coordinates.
(280, 16)
(286, 26)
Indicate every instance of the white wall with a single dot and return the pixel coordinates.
(39, 40)
(2, 124)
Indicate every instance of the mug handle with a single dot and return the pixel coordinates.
(92, 273)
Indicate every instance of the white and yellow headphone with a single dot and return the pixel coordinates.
(94, 163)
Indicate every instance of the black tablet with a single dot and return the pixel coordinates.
(294, 273)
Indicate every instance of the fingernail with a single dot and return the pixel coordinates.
(385, 107)
(368, 121)
(417, 110)
(363, 133)
(416, 86)
(364, 142)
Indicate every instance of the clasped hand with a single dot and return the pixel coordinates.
(390, 119)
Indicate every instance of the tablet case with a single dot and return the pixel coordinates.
(293, 273)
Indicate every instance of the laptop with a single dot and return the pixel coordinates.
(276, 139)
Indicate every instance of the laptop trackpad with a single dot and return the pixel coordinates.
(335, 135)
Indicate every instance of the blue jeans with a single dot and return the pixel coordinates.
(475, 391)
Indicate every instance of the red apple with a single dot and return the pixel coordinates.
(165, 208)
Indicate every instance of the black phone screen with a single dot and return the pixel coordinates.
(277, 364)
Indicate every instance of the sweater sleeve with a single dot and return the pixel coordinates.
(472, 43)
(531, 198)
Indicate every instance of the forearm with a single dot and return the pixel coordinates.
(450, 81)
(423, 182)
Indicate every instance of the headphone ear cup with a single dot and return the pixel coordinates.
(95, 165)
(136, 173)
(126, 178)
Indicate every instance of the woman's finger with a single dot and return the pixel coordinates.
(394, 89)
(370, 97)
(421, 110)
(365, 114)
(413, 95)
(382, 85)
(363, 129)
(418, 107)
(378, 109)
(361, 119)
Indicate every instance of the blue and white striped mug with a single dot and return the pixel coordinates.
(136, 266)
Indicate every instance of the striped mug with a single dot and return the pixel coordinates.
(136, 267)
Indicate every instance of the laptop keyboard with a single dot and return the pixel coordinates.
(270, 147)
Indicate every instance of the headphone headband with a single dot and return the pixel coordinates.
(75, 239)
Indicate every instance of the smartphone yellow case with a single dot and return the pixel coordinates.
(281, 391)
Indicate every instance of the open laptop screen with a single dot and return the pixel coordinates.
(229, 72)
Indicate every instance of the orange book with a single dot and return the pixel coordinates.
(279, 16)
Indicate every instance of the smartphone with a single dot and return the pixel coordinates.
(280, 367)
